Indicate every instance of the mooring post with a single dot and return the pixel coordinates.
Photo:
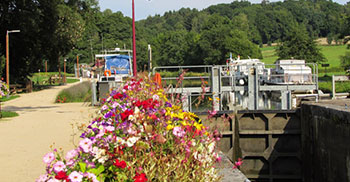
(333, 87)
(252, 89)
(215, 87)
(94, 93)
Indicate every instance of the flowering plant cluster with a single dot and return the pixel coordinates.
(138, 136)
(61, 100)
(4, 89)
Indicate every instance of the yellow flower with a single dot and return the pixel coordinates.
(210, 99)
(217, 98)
(169, 127)
(198, 126)
(169, 122)
(184, 123)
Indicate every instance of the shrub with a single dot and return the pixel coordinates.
(138, 136)
(77, 93)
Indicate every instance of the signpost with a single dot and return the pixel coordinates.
(325, 67)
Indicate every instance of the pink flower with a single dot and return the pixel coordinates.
(59, 166)
(238, 163)
(85, 145)
(42, 178)
(91, 177)
(71, 154)
(178, 131)
(53, 180)
(75, 177)
(48, 158)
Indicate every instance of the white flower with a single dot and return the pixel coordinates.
(53, 180)
(91, 177)
(131, 141)
(136, 110)
(131, 118)
(211, 147)
(110, 128)
(120, 141)
(155, 97)
(99, 154)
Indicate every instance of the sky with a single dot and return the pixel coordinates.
(145, 8)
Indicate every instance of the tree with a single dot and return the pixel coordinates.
(219, 38)
(299, 45)
(345, 60)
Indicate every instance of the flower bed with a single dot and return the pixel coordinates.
(139, 136)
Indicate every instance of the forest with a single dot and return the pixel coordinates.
(54, 30)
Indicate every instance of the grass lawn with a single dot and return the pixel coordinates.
(4, 99)
(8, 114)
(332, 54)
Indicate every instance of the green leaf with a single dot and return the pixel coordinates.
(82, 166)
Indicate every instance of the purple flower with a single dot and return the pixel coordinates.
(83, 135)
(108, 115)
(168, 104)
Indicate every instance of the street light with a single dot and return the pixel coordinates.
(8, 54)
(133, 39)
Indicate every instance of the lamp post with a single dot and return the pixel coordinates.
(8, 54)
(133, 39)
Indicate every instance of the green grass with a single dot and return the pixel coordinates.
(331, 53)
(269, 54)
(77, 93)
(340, 87)
(8, 114)
(43, 78)
(4, 99)
(72, 80)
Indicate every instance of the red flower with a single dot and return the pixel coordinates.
(119, 164)
(147, 104)
(61, 176)
(137, 103)
(140, 177)
(154, 117)
(117, 96)
(125, 115)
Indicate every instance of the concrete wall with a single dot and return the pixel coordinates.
(326, 141)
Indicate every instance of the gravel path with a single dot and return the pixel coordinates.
(41, 123)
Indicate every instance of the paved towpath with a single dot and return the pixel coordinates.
(25, 139)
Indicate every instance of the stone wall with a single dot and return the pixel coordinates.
(326, 141)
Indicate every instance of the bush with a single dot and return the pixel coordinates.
(77, 93)
(139, 136)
